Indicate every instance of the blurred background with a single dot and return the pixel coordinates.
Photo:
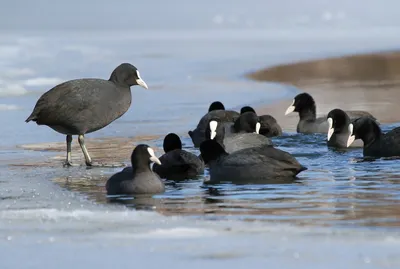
(180, 14)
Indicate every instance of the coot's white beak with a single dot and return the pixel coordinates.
(290, 109)
(140, 81)
(258, 127)
(330, 129)
(352, 137)
(153, 157)
(213, 128)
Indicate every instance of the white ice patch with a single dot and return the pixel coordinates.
(92, 53)
(43, 215)
(178, 232)
(4, 107)
(11, 89)
(18, 72)
(42, 81)
(9, 51)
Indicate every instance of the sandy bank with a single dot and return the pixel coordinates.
(111, 151)
(360, 82)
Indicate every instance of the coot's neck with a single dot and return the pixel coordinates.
(220, 136)
(372, 136)
(169, 149)
(140, 166)
(342, 125)
(221, 155)
(118, 81)
(308, 113)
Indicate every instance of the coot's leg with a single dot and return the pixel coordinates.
(69, 142)
(81, 140)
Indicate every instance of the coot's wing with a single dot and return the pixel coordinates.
(266, 155)
(247, 140)
(391, 142)
(269, 126)
(177, 162)
(177, 157)
(355, 114)
(70, 98)
(267, 119)
(220, 115)
(113, 184)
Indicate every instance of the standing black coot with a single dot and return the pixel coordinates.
(138, 179)
(305, 105)
(217, 105)
(338, 130)
(82, 106)
(269, 125)
(376, 143)
(176, 163)
(245, 135)
(222, 115)
(250, 165)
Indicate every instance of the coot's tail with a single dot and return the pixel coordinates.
(301, 169)
(32, 117)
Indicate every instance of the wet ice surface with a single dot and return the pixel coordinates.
(153, 240)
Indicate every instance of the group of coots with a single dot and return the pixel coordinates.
(235, 146)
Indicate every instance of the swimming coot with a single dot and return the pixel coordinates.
(269, 125)
(338, 131)
(223, 116)
(250, 165)
(305, 105)
(176, 163)
(137, 179)
(243, 138)
(376, 143)
(82, 106)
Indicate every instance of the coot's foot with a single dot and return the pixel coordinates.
(69, 164)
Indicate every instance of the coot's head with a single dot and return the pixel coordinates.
(127, 75)
(338, 121)
(363, 128)
(217, 105)
(171, 142)
(211, 150)
(302, 102)
(142, 156)
(247, 109)
(247, 122)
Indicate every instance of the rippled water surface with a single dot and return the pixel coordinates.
(338, 189)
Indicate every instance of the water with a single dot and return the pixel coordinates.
(340, 212)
